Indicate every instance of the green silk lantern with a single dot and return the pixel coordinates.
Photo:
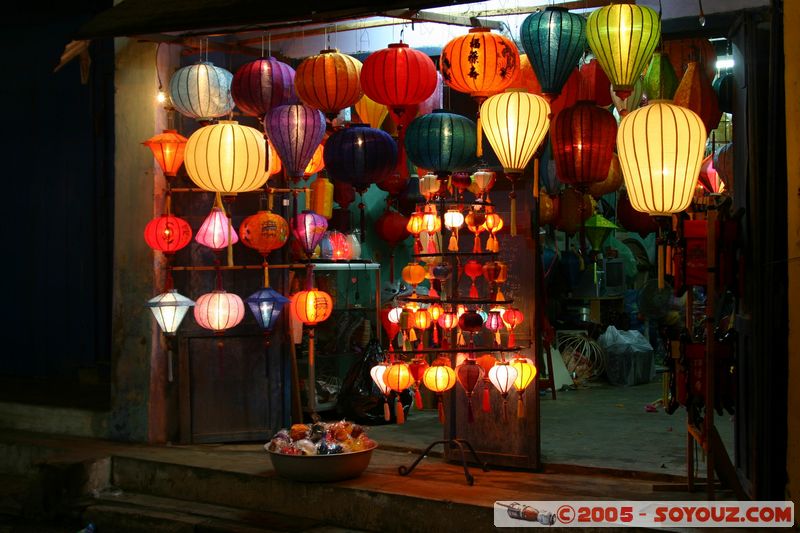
(441, 142)
(598, 228)
(660, 80)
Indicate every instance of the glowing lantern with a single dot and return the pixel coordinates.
(167, 233)
(316, 164)
(695, 92)
(295, 131)
(322, 196)
(469, 374)
(442, 142)
(216, 231)
(502, 376)
(483, 180)
(417, 369)
(470, 322)
(312, 306)
(429, 185)
(422, 319)
(169, 308)
(415, 226)
(554, 40)
(168, 149)
(486, 362)
(201, 91)
(391, 227)
(474, 221)
(453, 220)
(394, 314)
(479, 64)
(494, 323)
(448, 321)
(413, 274)
(526, 77)
(264, 232)
(474, 270)
(275, 164)
(398, 378)
(218, 310)
(335, 246)
(512, 317)
(439, 378)
(660, 80)
(612, 182)
(709, 177)
(371, 112)
(227, 157)
(493, 224)
(623, 38)
(391, 327)
(266, 304)
(515, 124)
(360, 156)
(525, 374)
(594, 85)
(376, 373)
(260, 85)
(329, 81)
(308, 229)
(430, 220)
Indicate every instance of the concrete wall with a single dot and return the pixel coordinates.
(791, 44)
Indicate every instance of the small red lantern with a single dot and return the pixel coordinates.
(417, 369)
(474, 270)
(167, 233)
(469, 374)
(493, 224)
(391, 227)
(486, 362)
(168, 148)
(512, 317)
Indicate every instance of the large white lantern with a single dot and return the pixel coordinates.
(201, 91)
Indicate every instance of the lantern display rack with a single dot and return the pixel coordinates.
(422, 299)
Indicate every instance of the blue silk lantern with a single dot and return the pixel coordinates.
(266, 305)
(554, 40)
(201, 91)
(295, 131)
(360, 155)
(441, 142)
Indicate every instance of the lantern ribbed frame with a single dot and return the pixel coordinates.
(309, 229)
(264, 232)
(266, 304)
(213, 233)
(168, 148)
(371, 112)
(295, 131)
(312, 306)
(583, 138)
(441, 142)
(661, 147)
(201, 91)
(623, 37)
(439, 378)
(398, 376)
(167, 234)
(480, 63)
(554, 40)
(660, 80)
(329, 81)
(515, 123)
(169, 308)
(260, 85)
(218, 310)
(360, 155)
(398, 77)
(227, 157)
(502, 376)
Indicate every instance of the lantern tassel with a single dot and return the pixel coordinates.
(460, 341)
(473, 290)
(513, 196)
(418, 398)
(470, 414)
(476, 246)
(511, 340)
(398, 411)
(440, 408)
(453, 246)
(412, 335)
(386, 413)
(486, 406)
(431, 244)
(520, 407)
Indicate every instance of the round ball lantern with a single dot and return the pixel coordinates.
(218, 310)
(167, 234)
(391, 227)
(312, 306)
(201, 91)
(413, 274)
(512, 317)
(439, 378)
(329, 81)
(295, 131)
(169, 308)
(442, 142)
(554, 41)
(398, 77)
(168, 149)
(260, 85)
(227, 157)
(583, 138)
(360, 155)
(623, 37)
(264, 232)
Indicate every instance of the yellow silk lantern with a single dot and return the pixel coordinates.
(322, 197)
(316, 164)
(371, 112)
(525, 374)
(439, 378)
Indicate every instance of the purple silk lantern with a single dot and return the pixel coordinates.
(295, 131)
(308, 229)
(263, 84)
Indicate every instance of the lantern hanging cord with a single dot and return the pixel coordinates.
(158, 72)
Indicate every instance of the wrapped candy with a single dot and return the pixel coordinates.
(306, 446)
(299, 431)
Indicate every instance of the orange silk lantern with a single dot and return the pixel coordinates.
(526, 77)
(493, 224)
(474, 221)
(398, 378)
(312, 306)
(439, 378)
(486, 362)
(695, 92)
(316, 164)
(512, 317)
(413, 274)
(168, 148)
(415, 226)
(264, 232)
(371, 112)
(548, 211)
(329, 81)
(274, 159)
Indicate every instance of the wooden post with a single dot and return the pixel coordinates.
(708, 421)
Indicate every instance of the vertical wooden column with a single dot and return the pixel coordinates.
(711, 295)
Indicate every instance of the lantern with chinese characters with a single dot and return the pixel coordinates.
(371, 112)
(417, 369)
(554, 40)
(218, 310)
(441, 142)
(398, 377)
(479, 64)
(260, 85)
(312, 306)
(376, 373)
(167, 233)
(512, 317)
(516, 124)
(329, 81)
(201, 91)
(525, 374)
(469, 374)
(623, 38)
(295, 131)
(413, 274)
(308, 229)
(227, 157)
(264, 232)
(439, 378)
(493, 224)
(486, 362)
(169, 308)
(168, 150)
(266, 304)
(502, 376)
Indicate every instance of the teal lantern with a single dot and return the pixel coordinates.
(554, 40)
(441, 142)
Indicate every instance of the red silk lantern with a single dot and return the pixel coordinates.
(683, 51)
(329, 81)
(312, 306)
(395, 183)
(512, 317)
(391, 227)
(448, 321)
(633, 220)
(264, 232)
(167, 233)
(168, 148)
(391, 328)
(474, 270)
(417, 369)
(569, 94)
(583, 138)
(594, 86)
(486, 362)
(343, 194)
(469, 374)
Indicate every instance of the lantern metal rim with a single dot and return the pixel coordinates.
(401, 44)
(158, 301)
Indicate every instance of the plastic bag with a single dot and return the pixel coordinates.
(629, 357)
(359, 398)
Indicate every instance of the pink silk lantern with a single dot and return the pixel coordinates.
(309, 229)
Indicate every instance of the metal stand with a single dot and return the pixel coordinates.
(454, 443)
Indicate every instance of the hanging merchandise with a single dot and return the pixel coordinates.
(723, 163)
(309, 228)
(512, 317)
(218, 310)
(216, 231)
(441, 142)
(167, 233)
(389, 326)
(429, 186)
(439, 378)
(516, 124)
(594, 84)
(264, 232)
(548, 207)
(569, 93)
(479, 64)
(554, 41)
(260, 85)
(398, 378)
(612, 183)
(573, 209)
(201, 91)
(168, 149)
(295, 131)
(526, 77)
(696, 93)
(322, 196)
(335, 247)
(493, 224)
(312, 306)
(526, 371)
(709, 177)
(227, 157)
(494, 323)
(169, 308)
(660, 81)
(435, 100)
(623, 37)
(486, 362)
(417, 368)
(329, 81)
(275, 164)
(470, 322)
(483, 180)
(266, 304)
(682, 51)
(413, 274)
(475, 223)
(371, 112)
(377, 372)
(474, 270)
(469, 374)
(503, 376)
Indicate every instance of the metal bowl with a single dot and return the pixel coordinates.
(321, 468)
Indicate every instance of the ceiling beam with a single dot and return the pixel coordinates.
(441, 18)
